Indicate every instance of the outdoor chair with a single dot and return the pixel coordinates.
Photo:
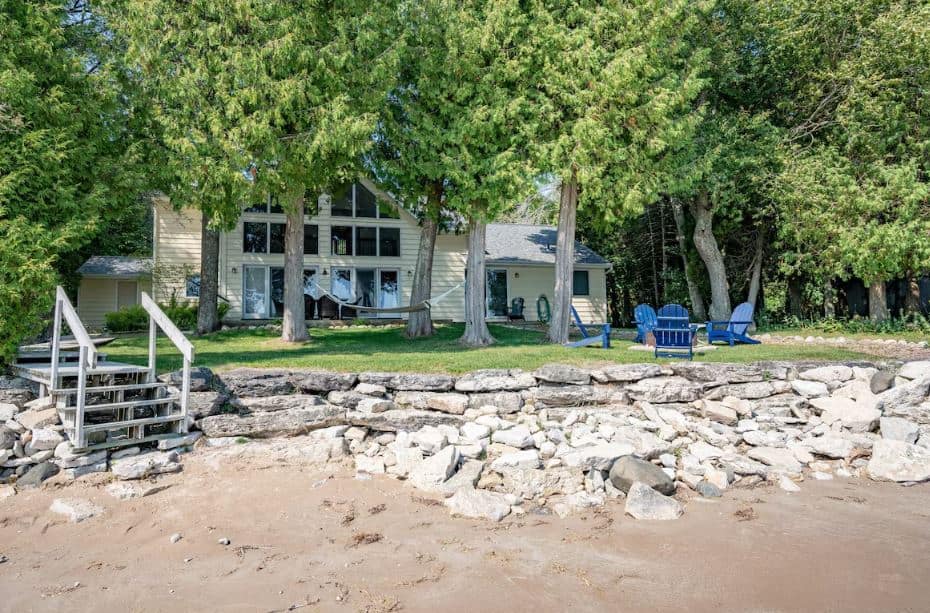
(516, 310)
(674, 333)
(733, 330)
(590, 337)
(645, 318)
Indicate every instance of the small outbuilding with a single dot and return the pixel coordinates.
(109, 283)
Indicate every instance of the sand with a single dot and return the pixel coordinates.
(307, 539)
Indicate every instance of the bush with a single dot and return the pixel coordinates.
(128, 319)
(134, 318)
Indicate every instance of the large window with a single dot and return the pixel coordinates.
(342, 240)
(356, 200)
(276, 241)
(272, 204)
(580, 286)
(263, 292)
(367, 241)
(254, 237)
(390, 242)
(192, 286)
(311, 239)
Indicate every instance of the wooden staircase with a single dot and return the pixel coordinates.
(104, 404)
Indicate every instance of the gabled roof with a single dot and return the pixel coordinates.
(531, 245)
(116, 266)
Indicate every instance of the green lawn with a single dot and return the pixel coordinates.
(384, 348)
(804, 332)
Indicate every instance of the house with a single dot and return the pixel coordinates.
(360, 245)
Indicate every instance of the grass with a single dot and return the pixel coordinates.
(826, 332)
(355, 349)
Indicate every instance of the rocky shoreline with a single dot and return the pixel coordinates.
(555, 440)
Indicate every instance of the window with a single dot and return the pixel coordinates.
(192, 286)
(276, 304)
(254, 237)
(275, 205)
(277, 238)
(366, 241)
(366, 205)
(342, 201)
(390, 242)
(311, 239)
(342, 240)
(341, 284)
(580, 285)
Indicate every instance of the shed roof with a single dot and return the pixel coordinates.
(116, 266)
(531, 245)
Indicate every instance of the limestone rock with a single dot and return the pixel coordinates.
(37, 474)
(8, 438)
(552, 395)
(370, 389)
(478, 504)
(707, 489)
(430, 473)
(665, 390)
(810, 389)
(145, 465)
(749, 391)
(643, 502)
(448, 403)
(493, 380)
(183, 440)
(899, 429)
(882, 380)
(7, 411)
(474, 431)
(348, 399)
(563, 373)
(518, 436)
(323, 380)
(781, 460)
(831, 446)
(899, 461)
(828, 374)
(201, 379)
(288, 422)
(527, 458)
(908, 400)
(369, 466)
(466, 476)
(645, 444)
(505, 402)
(717, 411)
(628, 470)
(375, 405)
(257, 382)
(403, 419)
(75, 509)
(856, 416)
(628, 373)
(409, 381)
(414, 399)
(32, 419)
(204, 404)
(277, 403)
(16, 390)
(723, 374)
(915, 370)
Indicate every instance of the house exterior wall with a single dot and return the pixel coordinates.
(529, 282)
(177, 255)
(97, 296)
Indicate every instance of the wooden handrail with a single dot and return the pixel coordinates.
(167, 326)
(74, 322)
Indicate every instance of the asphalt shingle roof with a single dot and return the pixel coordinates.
(116, 266)
(529, 244)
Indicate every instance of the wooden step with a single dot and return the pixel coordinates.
(71, 391)
(93, 408)
(131, 423)
(42, 373)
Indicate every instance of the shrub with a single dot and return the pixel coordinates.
(127, 319)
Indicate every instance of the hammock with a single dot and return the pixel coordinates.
(420, 306)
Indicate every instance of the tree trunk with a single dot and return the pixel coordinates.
(829, 300)
(694, 291)
(878, 302)
(476, 328)
(564, 262)
(706, 245)
(207, 317)
(912, 299)
(294, 326)
(420, 323)
(794, 297)
(755, 278)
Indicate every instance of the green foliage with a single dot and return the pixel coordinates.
(135, 318)
(70, 159)
(913, 325)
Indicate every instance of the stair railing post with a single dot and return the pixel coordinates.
(153, 335)
(185, 392)
(56, 343)
(81, 393)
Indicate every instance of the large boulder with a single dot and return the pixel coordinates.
(665, 390)
(628, 470)
(323, 380)
(519, 436)
(478, 504)
(626, 373)
(645, 444)
(643, 502)
(505, 402)
(563, 373)
(857, 416)
(527, 458)
(32, 419)
(201, 379)
(288, 422)
(145, 465)
(899, 461)
(810, 389)
(493, 380)
(749, 391)
(349, 399)
(830, 446)
(719, 374)
(899, 429)
(205, 404)
(257, 382)
(409, 381)
(915, 370)
(780, 460)
(837, 373)
(8, 438)
(448, 403)
(266, 404)
(574, 395)
(909, 401)
(433, 471)
(402, 419)
(37, 474)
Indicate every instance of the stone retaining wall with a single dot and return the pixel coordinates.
(561, 437)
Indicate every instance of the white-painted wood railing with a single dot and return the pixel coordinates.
(158, 319)
(87, 355)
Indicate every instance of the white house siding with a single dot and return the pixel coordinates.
(529, 282)
(97, 296)
(176, 249)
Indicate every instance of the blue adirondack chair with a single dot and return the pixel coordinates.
(674, 332)
(645, 317)
(734, 330)
(590, 337)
